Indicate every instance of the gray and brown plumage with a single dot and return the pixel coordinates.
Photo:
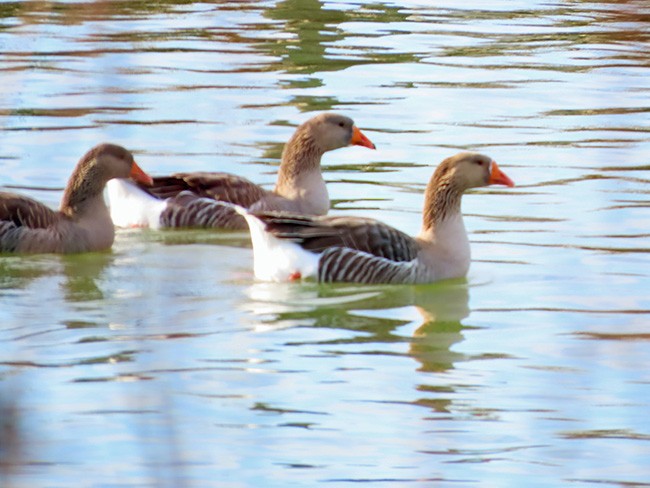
(187, 199)
(82, 222)
(354, 249)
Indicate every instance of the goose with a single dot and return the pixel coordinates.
(354, 249)
(187, 199)
(83, 222)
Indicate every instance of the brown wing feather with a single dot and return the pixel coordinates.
(218, 186)
(320, 233)
(25, 212)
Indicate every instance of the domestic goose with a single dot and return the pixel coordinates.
(187, 199)
(83, 222)
(362, 250)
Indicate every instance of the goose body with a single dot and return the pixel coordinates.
(354, 249)
(188, 199)
(83, 222)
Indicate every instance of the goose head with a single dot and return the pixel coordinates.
(332, 131)
(452, 178)
(468, 170)
(99, 165)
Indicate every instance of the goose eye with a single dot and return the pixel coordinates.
(341, 124)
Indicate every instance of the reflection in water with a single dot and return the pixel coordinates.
(80, 274)
(41, 294)
(308, 45)
(12, 436)
(79, 12)
(442, 309)
(83, 274)
(152, 352)
(373, 314)
(307, 27)
(16, 272)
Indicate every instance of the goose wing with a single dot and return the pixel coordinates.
(27, 225)
(319, 234)
(218, 186)
(25, 212)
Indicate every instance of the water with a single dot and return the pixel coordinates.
(164, 363)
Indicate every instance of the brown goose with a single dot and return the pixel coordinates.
(187, 199)
(83, 222)
(354, 249)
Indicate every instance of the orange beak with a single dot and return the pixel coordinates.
(498, 177)
(140, 176)
(359, 138)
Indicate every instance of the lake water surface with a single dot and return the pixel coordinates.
(163, 363)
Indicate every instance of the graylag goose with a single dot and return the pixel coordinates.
(354, 249)
(83, 222)
(187, 199)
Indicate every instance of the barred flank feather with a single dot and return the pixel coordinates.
(9, 236)
(189, 210)
(348, 265)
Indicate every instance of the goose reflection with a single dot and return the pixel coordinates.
(442, 308)
(77, 279)
(83, 275)
(80, 273)
(17, 272)
(374, 315)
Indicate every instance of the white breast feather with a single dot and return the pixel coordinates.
(132, 207)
